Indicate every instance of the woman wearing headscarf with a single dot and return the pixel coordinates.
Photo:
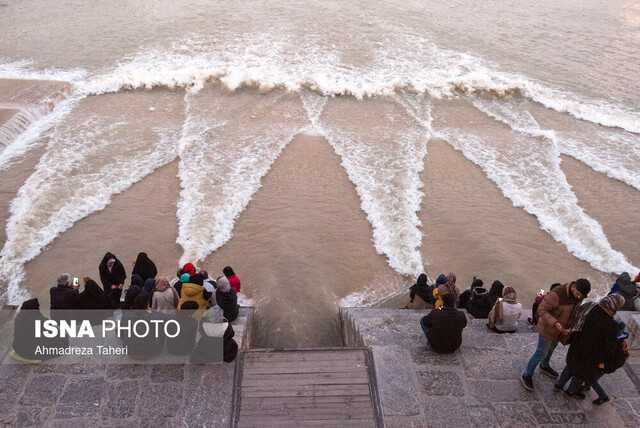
(144, 267)
(165, 297)
(189, 268)
(420, 294)
(449, 287)
(503, 318)
(594, 348)
(480, 305)
(96, 301)
(234, 281)
(93, 297)
(112, 272)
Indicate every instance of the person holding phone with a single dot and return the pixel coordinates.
(65, 295)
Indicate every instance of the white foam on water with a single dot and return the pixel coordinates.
(382, 154)
(614, 153)
(373, 295)
(228, 144)
(528, 173)
(25, 70)
(399, 63)
(90, 157)
(25, 129)
(17, 124)
(28, 130)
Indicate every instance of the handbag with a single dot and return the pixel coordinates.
(565, 338)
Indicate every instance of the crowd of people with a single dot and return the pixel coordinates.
(199, 304)
(596, 340)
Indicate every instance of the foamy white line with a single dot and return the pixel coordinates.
(623, 167)
(25, 70)
(370, 296)
(405, 63)
(391, 208)
(93, 193)
(205, 222)
(32, 136)
(557, 208)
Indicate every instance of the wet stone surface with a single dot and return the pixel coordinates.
(440, 382)
(117, 395)
(479, 385)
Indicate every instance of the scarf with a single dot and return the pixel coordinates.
(509, 295)
(162, 284)
(449, 287)
(611, 303)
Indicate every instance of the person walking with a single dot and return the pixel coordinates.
(556, 315)
(595, 348)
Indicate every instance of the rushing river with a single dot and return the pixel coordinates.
(329, 151)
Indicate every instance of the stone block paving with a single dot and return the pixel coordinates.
(478, 385)
(119, 395)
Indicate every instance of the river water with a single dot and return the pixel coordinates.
(329, 152)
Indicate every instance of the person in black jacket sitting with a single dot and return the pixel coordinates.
(443, 327)
(227, 299)
(64, 296)
(480, 305)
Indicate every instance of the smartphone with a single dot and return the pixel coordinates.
(500, 299)
(542, 291)
(75, 282)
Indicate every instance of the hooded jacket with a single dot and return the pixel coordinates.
(193, 292)
(627, 289)
(116, 276)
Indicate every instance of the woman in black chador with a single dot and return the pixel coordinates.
(111, 272)
(144, 267)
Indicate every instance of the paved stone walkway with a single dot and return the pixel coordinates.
(479, 385)
(123, 395)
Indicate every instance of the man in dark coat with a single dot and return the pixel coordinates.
(227, 299)
(111, 272)
(64, 296)
(443, 327)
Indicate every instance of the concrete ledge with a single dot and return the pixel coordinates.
(478, 385)
(117, 395)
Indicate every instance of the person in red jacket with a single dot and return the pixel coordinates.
(234, 281)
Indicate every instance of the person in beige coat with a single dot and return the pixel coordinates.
(555, 318)
(165, 297)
